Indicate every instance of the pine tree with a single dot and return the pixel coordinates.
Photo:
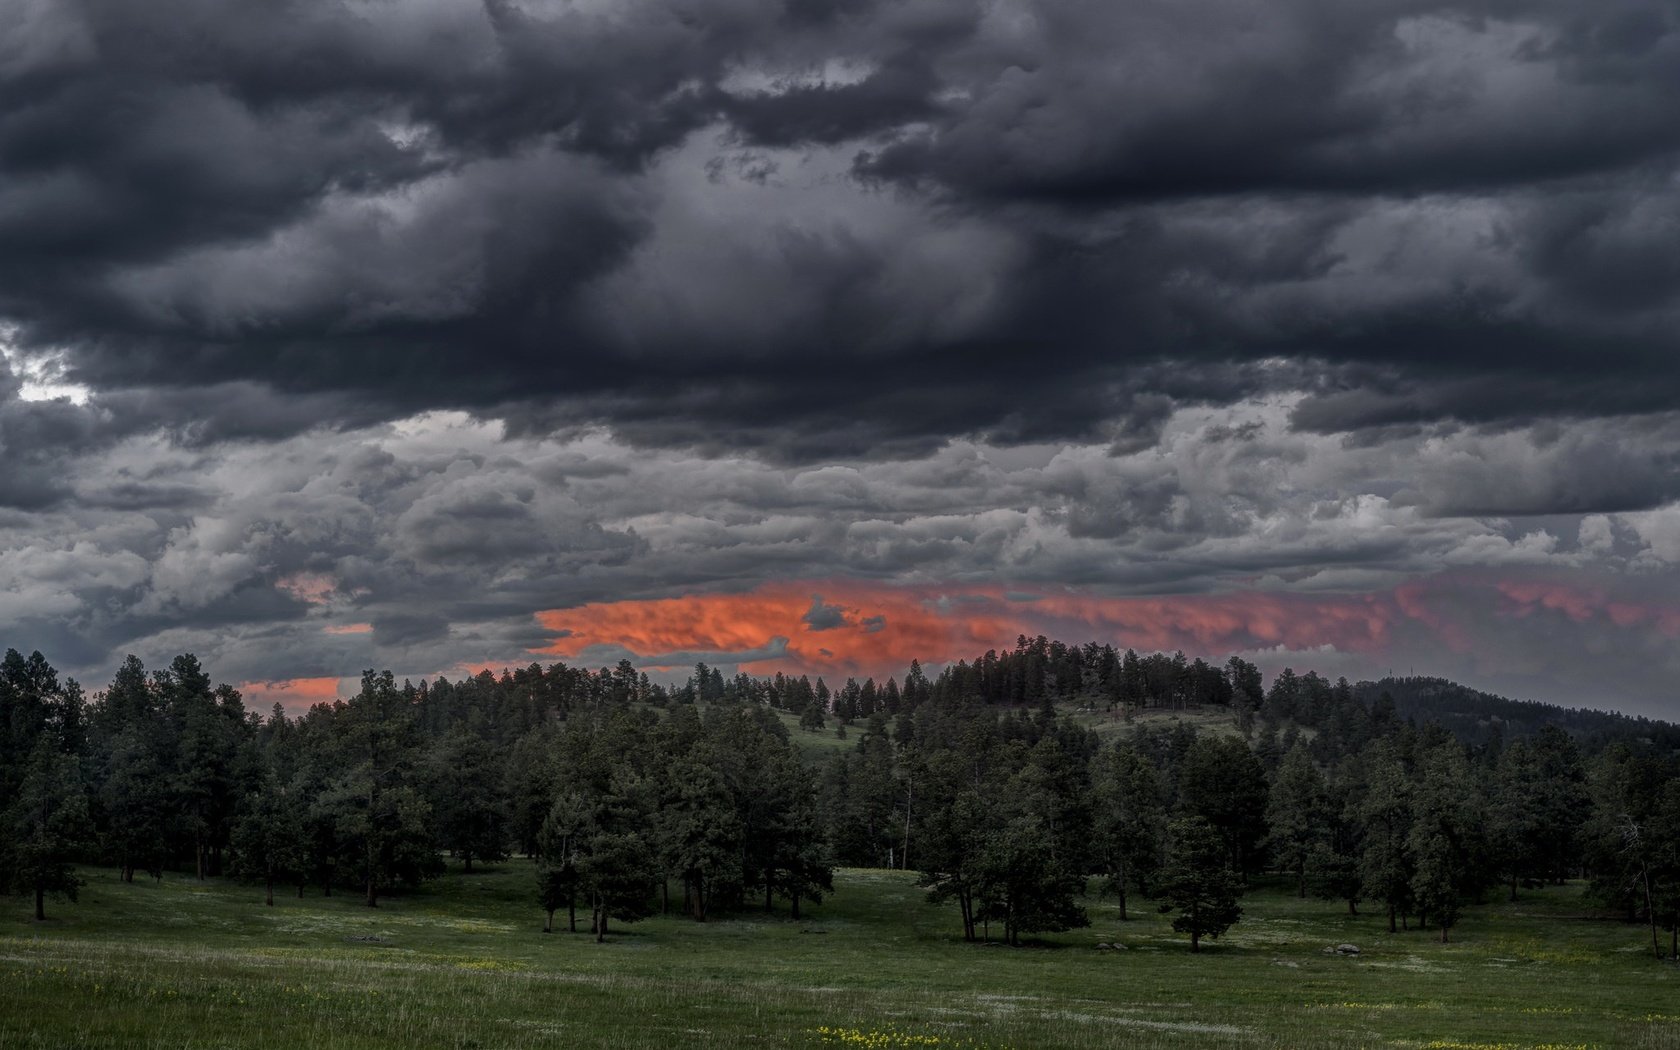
(1129, 820)
(269, 838)
(1297, 815)
(47, 823)
(1445, 817)
(1198, 881)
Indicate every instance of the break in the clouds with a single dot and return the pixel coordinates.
(430, 335)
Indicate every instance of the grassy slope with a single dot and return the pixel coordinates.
(463, 963)
(818, 746)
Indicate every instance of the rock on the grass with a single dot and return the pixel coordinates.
(1343, 949)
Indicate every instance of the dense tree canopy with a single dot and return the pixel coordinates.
(1008, 784)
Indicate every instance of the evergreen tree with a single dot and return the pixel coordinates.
(617, 865)
(564, 830)
(269, 837)
(469, 810)
(700, 836)
(1385, 814)
(1297, 815)
(1224, 783)
(1129, 820)
(1198, 881)
(381, 824)
(47, 823)
(1445, 816)
(800, 863)
(134, 799)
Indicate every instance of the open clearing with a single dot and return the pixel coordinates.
(463, 963)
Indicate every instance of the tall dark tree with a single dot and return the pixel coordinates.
(700, 835)
(1297, 816)
(617, 863)
(47, 823)
(1129, 820)
(1385, 813)
(802, 870)
(134, 799)
(1445, 817)
(1198, 881)
(382, 824)
(208, 727)
(1224, 783)
(567, 826)
(269, 841)
(464, 791)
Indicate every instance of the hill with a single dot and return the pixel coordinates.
(1476, 717)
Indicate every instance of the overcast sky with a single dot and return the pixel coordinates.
(821, 334)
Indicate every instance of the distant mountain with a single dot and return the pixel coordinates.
(1474, 716)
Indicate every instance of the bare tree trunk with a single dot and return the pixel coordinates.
(909, 800)
(1650, 911)
(548, 924)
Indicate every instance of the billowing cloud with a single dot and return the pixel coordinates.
(709, 224)
(336, 336)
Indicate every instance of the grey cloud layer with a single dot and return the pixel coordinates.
(1166, 296)
(828, 229)
(427, 545)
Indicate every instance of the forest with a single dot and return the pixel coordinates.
(1011, 785)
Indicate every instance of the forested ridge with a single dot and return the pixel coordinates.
(1014, 784)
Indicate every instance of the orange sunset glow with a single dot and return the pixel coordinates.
(881, 627)
(885, 627)
(294, 694)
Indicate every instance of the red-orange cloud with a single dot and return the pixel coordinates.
(887, 626)
(296, 695)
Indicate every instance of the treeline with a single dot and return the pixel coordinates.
(1475, 716)
(989, 779)
(615, 803)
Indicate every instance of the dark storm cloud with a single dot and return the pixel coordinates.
(258, 221)
(1166, 297)
(824, 617)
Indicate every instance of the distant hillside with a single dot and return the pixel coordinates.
(1473, 716)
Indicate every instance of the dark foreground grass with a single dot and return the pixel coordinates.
(463, 964)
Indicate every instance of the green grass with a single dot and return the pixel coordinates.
(816, 746)
(463, 963)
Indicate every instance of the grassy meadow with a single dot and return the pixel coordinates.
(463, 963)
